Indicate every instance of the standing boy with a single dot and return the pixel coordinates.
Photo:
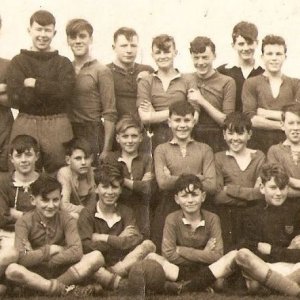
(93, 97)
(287, 153)
(237, 169)
(244, 43)
(77, 178)
(215, 93)
(180, 155)
(50, 251)
(40, 83)
(111, 228)
(137, 170)
(265, 95)
(126, 72)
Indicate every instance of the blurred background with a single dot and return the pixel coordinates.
(184, 19)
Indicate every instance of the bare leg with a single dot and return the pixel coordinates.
(224, 266)
(7, 256)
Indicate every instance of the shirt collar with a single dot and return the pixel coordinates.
(173, 141)
(287, 143)
(252, 152)
(178, 75)
(111, 221)
(201, 223)
(87, 63)
(235, 63)
(124, 71)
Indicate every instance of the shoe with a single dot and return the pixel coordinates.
(173, 288)
(83, 291)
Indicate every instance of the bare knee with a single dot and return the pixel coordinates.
(8, 256)
(94, 260)
(14, 272)
(244, 257)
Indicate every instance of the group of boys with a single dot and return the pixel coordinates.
(75, 216)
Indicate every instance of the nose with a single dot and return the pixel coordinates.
(235, 136)
(83, 161)
(50, 204)
(190, 198)
(23, 157)
(130, 139)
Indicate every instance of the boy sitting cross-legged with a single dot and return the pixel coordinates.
(50, 251)
(110, 228)
(77, 178)
(237, 171)
(137, 170)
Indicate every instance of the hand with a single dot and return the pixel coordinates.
(16, 214)
(29, 82)
(195, 97)
(200, 176)
(142, 75)
(264, 248)
(258, 182)
(103, 155)
(55, 249)
(3, 87)
(128, 231)
(167, 171)
(26, 245)
(99, 237)
(74, 215)
(147, 176)
(146, 106)
(225, 188)
(211, 244)
(295, 243)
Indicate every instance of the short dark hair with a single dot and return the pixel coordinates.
(184, 182)
(162, 42)
(43, 18)
(237, 122)
(128, 121)
(74, 26)
(246, 30)
(276, 171)
(272, 39)
(22, 143)
(78, 144)
(293, 108)
(128, 32)
(44, 185)
(108, 173)
(181, 108)
(199, 44)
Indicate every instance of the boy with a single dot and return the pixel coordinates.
(77, 178)
(137, 170)
(237, 171)
(287, 153)
(93, 96)
(180, 155)
(50, 251)
(15, 187)
(215, 93)
(6, 117)
(40, 84)
(110, 228)
(157, 91)
(126, 72)
(265, 95)
(244, 43)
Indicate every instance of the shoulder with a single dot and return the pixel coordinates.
(100, 67)
(174, 217)
(209, 216)
(65, 217)
(27, 218)
(142, 67)
(222, 69)
(124, 210)
(163, 148)
(225, 78)
(220, 156)
(64, 172)
(204, 147)
(5, 179)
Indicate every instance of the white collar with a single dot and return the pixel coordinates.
(110, 221)
(200, 223)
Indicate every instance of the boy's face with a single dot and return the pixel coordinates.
(48, 206)
(273, 57)
(273, 194)
(245, 49)
(181, 126)
(126, 50)
(291, 127)
(129, 140)
(203, 62)
(24, 163)
(78, 162)
(109, 193)
(41, 36)
(190, 202)
(80, 44)
(236, 141)
(164, 59)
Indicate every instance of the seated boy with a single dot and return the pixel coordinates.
(269, 251)
(77, 178)
(110, 228)
(49, 246)
(180, 155)
(237, 171)
(287, 153)
(192, 236)
(137, 171)
(40, 84)
(15, 187)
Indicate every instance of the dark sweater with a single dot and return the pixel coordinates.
(55, 80)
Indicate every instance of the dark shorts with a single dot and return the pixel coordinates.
(49, 273)
(190, 272)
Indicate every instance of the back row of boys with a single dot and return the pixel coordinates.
(42, 104)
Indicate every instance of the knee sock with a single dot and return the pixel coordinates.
(56, 287)
(71, 276)
(281, 284)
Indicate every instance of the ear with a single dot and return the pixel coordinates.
(169, 122)
(176, 199)
(224, 131)
(282, 125)
(54, 33)
(118, 138)
(113, 46)
(176, 52)
(37, 154)
(28, 30)
(203, 197)
(32, 200)
(262, 188)
(68, 159)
